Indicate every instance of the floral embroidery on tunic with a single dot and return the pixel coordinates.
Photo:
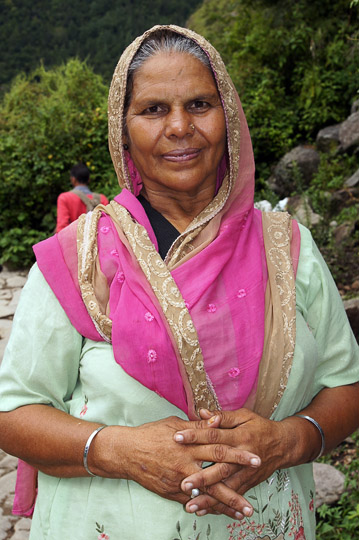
(282, 524)
(196, 535)
(84, 408)
(101, 529)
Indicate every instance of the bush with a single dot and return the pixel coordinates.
(49, 121)
(295, 65)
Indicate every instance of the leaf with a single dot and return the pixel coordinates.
(178, 526)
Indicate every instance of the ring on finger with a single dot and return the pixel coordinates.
(195, 492)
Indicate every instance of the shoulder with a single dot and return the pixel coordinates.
(67, 196)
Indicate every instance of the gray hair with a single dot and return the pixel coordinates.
(162, 41)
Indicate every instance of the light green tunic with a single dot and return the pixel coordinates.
(47, 361)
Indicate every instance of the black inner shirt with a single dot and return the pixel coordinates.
(164, 231)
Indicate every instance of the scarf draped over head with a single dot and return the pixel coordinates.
(207, 315)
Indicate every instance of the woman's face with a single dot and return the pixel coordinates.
(172, 92)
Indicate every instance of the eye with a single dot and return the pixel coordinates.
(154, 110)
(199, 105)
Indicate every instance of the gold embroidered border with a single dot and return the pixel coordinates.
(280, 313)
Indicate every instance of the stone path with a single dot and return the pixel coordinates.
(11, 527)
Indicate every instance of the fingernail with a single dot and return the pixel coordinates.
(178, 437)
(238, 515)
(201, 512)
(193, 508)
(212, 420)
(247, 511)
(255, 461)
(187, 486)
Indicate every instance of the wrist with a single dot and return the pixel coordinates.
(107, 454)
(304, 441)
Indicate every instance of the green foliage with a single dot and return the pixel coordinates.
(341, 520)
(294, 64)
(49, 121)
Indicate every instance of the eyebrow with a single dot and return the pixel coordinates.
(196, 97)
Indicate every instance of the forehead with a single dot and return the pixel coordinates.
(173, 71)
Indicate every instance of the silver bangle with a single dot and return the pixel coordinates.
(315, 423)
(87, 448)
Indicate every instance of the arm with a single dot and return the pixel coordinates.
(53, 441)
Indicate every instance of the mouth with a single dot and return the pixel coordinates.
(180, 155)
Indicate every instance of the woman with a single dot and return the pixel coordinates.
(178, 301)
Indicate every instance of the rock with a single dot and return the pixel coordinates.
(355, 106)
(353, 180)
(7, 484)
(299, 207)
(5, 525)
(16, 281)
(22, 529)
(343, 198)
(343, 232)
(15, 297)
(329, 484)
(349, 132)
(352, 309)
(6, 310)
(328, 138)
(295, 170)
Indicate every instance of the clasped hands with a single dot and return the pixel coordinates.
(247, 450)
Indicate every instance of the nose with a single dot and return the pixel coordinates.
(178, 124)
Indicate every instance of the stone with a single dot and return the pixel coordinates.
(352, 310)
(6, 310)
(15, 297)
(342, 232)
(329, 484)
(355, 106)
(9, 462)
(343, 198)
(16, 281)
(299, 207)
(328, 138)
(5, 526)
(295, 170)
(22, 529)
(349, 132)
(7, 484)
(353, 180)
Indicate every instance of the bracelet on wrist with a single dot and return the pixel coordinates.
(315, 423)
(87, 449)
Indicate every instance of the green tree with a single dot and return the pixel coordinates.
(49, 120)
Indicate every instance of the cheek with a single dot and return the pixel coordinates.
(141, 141)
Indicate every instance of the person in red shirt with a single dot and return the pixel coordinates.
(71, 204)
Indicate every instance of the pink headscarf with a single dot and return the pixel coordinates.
(222, 280)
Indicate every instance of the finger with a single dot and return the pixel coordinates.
(207, 477)
(221, 453)
(222, 494)
(205, 504)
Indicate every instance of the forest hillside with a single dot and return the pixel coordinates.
(96, 30)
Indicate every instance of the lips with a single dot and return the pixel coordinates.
(180, 155)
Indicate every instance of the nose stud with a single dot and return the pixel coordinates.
(191, 126)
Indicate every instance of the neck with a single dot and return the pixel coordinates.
(180, 209)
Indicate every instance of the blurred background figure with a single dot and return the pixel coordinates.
(71, 204)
